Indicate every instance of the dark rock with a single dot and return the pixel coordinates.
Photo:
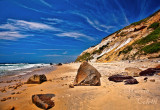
(18, 93)
(152, 80)
(3, 90)
(131, 81)
(8, 81)
(140, 28)
(119, 78)
(149, 72)
(4, 99)
(12, 108)
(13, 93)
(18, 85)
(51, 63)
(37, 79)
(59, 64)
(87, 75)
(43, 101)
(145, 79)
(71, 86)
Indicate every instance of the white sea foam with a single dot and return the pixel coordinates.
(11, 67)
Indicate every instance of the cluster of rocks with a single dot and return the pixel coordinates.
(131, 72)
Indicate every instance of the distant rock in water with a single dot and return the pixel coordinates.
(43, 101)
(37, 79)
(131, 81)
(87, 75)
(59, 64)
(149, 72)
(119, 78)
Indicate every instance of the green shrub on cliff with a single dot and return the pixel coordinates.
(154, 25)
(84, 57)
(152, 48)
(151, 37)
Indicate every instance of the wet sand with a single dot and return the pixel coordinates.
(108, 96)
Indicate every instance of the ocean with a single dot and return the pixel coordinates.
(18, 69)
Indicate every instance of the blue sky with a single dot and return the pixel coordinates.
(46, 31)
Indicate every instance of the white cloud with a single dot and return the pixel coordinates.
(53, 20)
(9, 35)
(16, 29)
(74, 35)
(8, 26)
(94, 23)
(31, 25)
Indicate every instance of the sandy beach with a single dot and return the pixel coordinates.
(109, 96)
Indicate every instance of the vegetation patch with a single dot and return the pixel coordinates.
(86, 56)
(152, 48)
(151, 37)
(126, 50)
(139, 22)
(154, 25)
(100, 49)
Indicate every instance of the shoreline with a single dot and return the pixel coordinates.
(109, 95)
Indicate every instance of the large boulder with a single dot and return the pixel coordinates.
(43, 101)
(87, 75)
(119, 78)
(149, 72)
(133, 71)
(37, 79)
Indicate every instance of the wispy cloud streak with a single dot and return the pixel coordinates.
(45, 3)
(75, 35)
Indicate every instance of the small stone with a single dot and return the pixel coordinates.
(59, 64)
(71, 86)
(13, 93)
(12, 108)
(8, 81)
(145, 79)
(18, 93)
(152, 80)
(3, 90)
(4, 99)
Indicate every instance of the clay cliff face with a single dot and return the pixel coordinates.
(140, 40)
